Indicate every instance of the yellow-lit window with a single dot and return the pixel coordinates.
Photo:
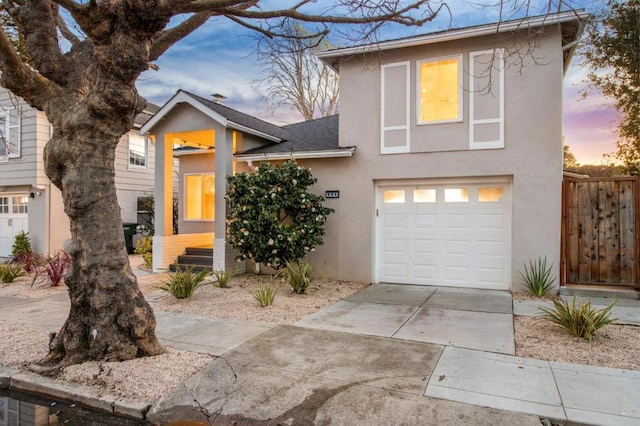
(456, 195)
(424, 196)
(393, 196)
(440, 90)
(490, 195)
(200, 197)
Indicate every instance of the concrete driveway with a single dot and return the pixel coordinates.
(466, 318)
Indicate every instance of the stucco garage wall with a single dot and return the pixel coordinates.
(532, 156)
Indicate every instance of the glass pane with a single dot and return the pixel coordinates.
(394, 196)
(193, 197)
(4, 204)
(456, 195)
(490, 195)
(209, 197)
(424, 196)
(440, 90)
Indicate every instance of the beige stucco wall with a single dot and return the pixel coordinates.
(532, 156)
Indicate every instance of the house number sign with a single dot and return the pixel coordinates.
(332, 194)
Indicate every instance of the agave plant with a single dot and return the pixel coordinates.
(537, 277)
(184, 282)
(581, 320)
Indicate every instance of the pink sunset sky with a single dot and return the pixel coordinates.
(589, 123)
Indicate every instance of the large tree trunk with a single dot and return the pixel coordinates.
(109, 317)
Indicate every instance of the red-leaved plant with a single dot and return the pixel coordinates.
(54, 268)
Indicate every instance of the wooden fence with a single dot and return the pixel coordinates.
(600, 244)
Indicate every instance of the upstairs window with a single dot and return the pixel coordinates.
(440, 90)
(138, 151)
(10, 146)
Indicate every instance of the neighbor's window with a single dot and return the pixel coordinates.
(9, 133)
(138, 150)
(440, 90)
(199, 194)
(4, 204)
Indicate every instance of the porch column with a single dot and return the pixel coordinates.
(223, 168)
(163, 198)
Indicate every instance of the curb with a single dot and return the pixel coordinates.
(32, 383)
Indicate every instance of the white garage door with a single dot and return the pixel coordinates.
(13, 219)
(445, 234)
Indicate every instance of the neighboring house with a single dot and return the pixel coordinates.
(447, 167)
(30, 202)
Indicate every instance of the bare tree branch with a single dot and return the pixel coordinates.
(38, 24)
(66, 32)
(167, 38)
(16, 75)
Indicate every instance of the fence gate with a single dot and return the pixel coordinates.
(599, 239)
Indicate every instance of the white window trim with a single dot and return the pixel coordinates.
(146, 153)
(6, 132)
(460, 118)
(497, 144)
(184, 198)
(407, 147)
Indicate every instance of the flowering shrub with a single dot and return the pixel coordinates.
(272, 218)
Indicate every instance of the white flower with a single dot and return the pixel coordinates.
(246, 233)
(270, 242)
(274, 251)
(295, 182)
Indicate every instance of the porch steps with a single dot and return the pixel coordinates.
(196, 258)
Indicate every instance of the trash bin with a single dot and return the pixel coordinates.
(130, 230)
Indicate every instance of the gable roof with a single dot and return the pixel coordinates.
(308, 139)
(571, 22)
(224, 115)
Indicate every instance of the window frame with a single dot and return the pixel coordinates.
(498, 143)
(145, 139)
(460, 118)
(6, 132)
(184, 198)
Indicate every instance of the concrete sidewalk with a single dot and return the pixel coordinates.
(388, 355)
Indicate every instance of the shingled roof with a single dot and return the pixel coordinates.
(240, 117)
(316, 135)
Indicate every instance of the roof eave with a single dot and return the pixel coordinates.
(298, 155)
(332, 57)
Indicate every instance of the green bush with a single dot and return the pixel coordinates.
(265, 293)
(223, 278)
(144, 246)
(21, 244)
(272, 217)
(298, 275)
(537, 277)
(9, 272)
(580, 321)
(183, 283)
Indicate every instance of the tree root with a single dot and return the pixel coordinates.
(45, 370)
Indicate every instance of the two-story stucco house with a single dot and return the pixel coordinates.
(30, 202)
(444, 167)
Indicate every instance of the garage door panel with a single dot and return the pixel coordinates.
(426, 272)
(395, 246)
(457, 221)
(457, 247)
(424, 220)
(425, 247)
(463, 243)
(395, 220)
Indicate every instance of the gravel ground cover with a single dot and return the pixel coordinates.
(147, 379)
